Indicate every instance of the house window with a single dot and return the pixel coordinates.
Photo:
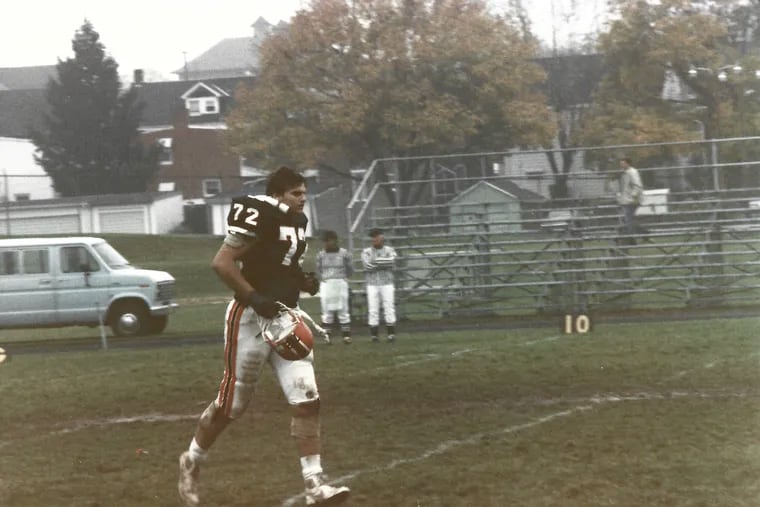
(212, 187)
(167, 186)
(165, 156)
(211, 105)
(193, 107)
(205, 105)
(21, 197)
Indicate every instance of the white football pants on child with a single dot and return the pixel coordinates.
(377, 295)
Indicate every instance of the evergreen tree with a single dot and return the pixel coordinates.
(90, 143)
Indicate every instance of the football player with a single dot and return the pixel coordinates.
(378, 261)
(334, 268)
(259, 260)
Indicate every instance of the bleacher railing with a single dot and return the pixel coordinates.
(483, 232)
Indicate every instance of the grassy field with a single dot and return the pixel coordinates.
(663, 414)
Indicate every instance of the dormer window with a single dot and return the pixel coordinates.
(203, 99)
(199, 107)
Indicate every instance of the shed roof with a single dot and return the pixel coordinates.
(503, 186)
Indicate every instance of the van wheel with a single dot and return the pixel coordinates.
(129, 319)
(157, 324)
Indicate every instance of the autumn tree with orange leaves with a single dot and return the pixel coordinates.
(352, 81)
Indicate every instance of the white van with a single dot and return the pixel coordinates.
(55, 282)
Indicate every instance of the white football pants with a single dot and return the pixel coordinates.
(377, 295)
(333, 294)
(245, 353)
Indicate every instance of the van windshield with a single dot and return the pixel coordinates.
(111, 257)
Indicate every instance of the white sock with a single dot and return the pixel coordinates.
(197, 453)
(311, 466)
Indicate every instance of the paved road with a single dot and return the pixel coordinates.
(490, 323)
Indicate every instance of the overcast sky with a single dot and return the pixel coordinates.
(153, 34)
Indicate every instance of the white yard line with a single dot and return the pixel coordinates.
(450, 445)
(447, 446)
(427, 358)
(108, 421)
(540, 340)
(707, 366)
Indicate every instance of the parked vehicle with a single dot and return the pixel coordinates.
(56, 282)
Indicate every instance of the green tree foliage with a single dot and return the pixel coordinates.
(640, 47)
(355, 80)
(91, 143)
(691, 43)
(648, 41)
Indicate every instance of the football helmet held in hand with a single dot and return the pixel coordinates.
(288, 333)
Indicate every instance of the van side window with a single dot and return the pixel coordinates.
(35, 261)
(76, 259)
(9, 263)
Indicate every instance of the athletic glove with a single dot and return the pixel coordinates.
(261, 304)
(310, 283)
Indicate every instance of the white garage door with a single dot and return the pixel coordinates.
(123, 222)
(27, 226)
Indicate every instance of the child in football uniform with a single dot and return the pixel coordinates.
(334, 268)
(379, 260)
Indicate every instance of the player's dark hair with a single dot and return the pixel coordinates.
(282, 180)
(328, 235)
(626, 160)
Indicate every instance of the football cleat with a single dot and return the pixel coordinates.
(189, 475)
(346, 340)
(318, 492)
(391, 337)
(327, 339)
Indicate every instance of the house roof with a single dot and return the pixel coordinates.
(162, 99)
(238, 54)
(523, 194)
(26, 78)
(504, 186)
(22, 111)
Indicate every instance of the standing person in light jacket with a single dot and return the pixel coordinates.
(379, 261)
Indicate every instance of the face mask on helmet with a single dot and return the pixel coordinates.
(289, 335)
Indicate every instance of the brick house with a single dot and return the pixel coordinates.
(186, 119)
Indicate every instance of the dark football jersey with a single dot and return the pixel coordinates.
(273, 265)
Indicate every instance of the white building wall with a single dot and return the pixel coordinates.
(41, 220)
(20, 174)
(166, 214)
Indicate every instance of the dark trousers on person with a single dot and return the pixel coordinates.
(629, 218)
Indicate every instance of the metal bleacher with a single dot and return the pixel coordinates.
(698, 244)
